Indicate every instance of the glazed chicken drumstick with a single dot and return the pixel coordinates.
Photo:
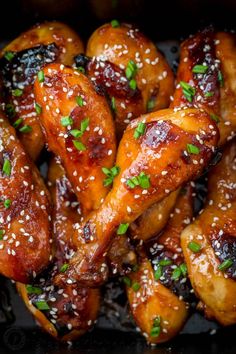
(129, 68)
(21, 61)
(159, 297)
(154, 219)
(174, 148)
(182, 143)
(79, 128)
(67, 312)
(24, 211)
(209, 243)
(206, 78)
(64, 312)
(70, 309)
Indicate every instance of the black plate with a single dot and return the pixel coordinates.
(114, 333)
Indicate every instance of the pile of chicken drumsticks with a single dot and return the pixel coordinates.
(126, 142)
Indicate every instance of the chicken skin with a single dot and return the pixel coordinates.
(134, 74)
(64, 312)
(79, 128)
(158, 298)
(21, 61)
(209, 243)
(24, 211)
(206, 78)
(70, 309)
(207, 65)
(154, 219)
(182, 142)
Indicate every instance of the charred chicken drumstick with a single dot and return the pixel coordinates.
(209, 243)
(79, 128)
(70, 309)
(68, 312)
(206, 78)
(174, 148)
(64, 312)
(130, 69)
(21, 61)
(154, 219)
(24, 211)
(207, 65)
(159, 298)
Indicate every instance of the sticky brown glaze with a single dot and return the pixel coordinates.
(226, 53)
(161, 292)
(214, 231)
(42, 44)
(57, 97)
(152, 300)
(153, 220)
(112, 49)
(25, 226)
(215, 89)
(161, 154)
(66, 210)
(126, 102)
(121, 256)
(72, 309)
(166, 246)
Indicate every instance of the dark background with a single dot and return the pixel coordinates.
(165, 22)
(160, 20)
